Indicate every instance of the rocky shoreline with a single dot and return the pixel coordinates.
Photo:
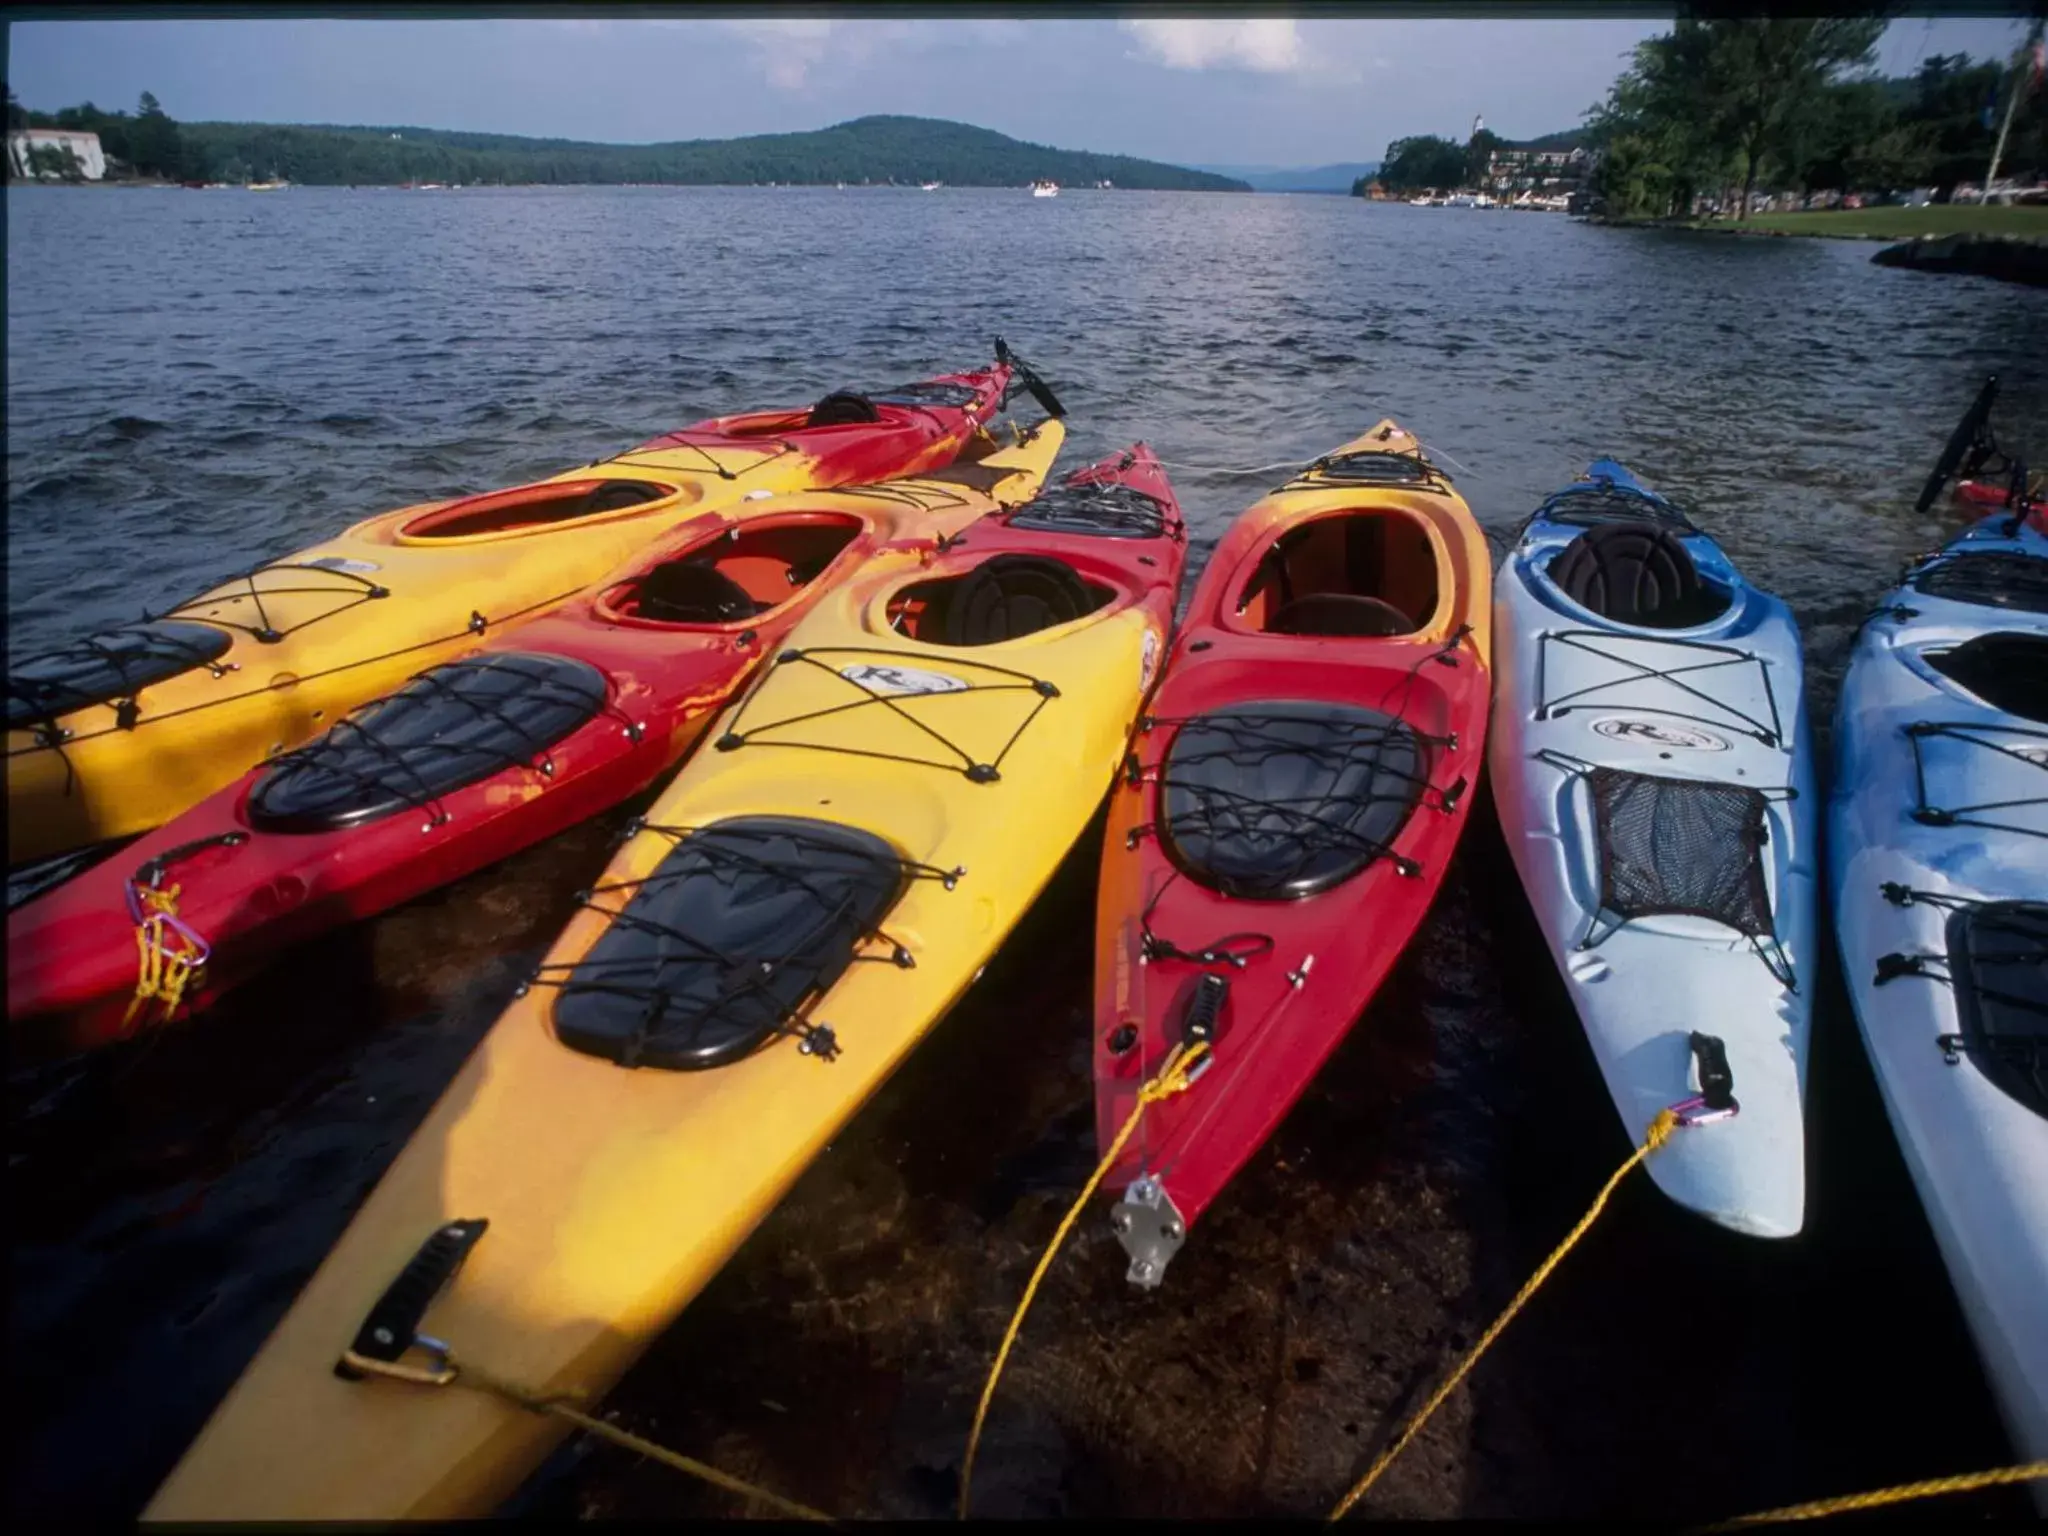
(2010, 258)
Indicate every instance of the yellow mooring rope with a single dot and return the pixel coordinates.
(159, 973)
(1171, 1078)
(450, 1374)
(1821, 1508)
(1660, 1131)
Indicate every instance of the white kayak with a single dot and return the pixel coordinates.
(1938, 866)
(1653, 773)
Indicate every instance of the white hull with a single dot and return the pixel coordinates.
(1644, 987)
(1978, 1155)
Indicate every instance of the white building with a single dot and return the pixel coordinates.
(84, 147)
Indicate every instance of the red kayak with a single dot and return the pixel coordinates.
(1296, 791)
(518, 739)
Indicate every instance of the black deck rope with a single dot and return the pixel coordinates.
(741, 977)
(1771, 734)
(1961, 815)
(669, 441)
(979, 773)
(364, 591)
(919, 494)
(473, 627)
(1232, 949)
(1301, 821)
(1591, 502)
(323, 752)
(1362, 467)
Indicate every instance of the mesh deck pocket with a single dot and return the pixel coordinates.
(107, 667)
(744, 924)
(1994, 579)
(1283, 800)
(449, 727)
(1681, 846)
(1105, 511)
(1998, 962)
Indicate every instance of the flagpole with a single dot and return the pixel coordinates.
(2025, 57)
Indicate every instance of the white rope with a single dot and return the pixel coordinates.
(1221, 469)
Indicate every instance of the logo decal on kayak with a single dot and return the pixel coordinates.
(1659, 733)
(877, 678)
(343, 563)
(1148, 659)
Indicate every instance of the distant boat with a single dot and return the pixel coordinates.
(1045, 189)
(1424, 201)
(931, 186)
(265, 186)
(1461, 200)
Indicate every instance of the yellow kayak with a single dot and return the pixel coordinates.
(130, 727)
(810, 895)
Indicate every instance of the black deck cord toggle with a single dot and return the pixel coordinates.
(1717, 1081)
(393, 1324)
(1205, 1008)
(153, 871)
(1028, 376)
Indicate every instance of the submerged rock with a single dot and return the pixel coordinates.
(2012, 258)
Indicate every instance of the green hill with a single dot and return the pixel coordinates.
(904, 150)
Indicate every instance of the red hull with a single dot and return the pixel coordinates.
(1300, 970)
(72, 958)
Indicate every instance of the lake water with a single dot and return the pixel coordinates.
(196, 381)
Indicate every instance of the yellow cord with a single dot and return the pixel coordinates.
(158, 973)
(1171, 1078)
(450, 1374)
(1659, 1132)
(1820, 1508)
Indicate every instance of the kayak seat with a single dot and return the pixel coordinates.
(2007, 671)
(1276, 801)
(690, 592)
(843, 408)
(1634, 573)
(1009, 596)
(113, 665)
(452, 726)
(727, 941)
(1340, 613)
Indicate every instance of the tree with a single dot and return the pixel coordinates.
(17, 114)
(1421, 163)
(1714, 92)
(154, 145)
(1479, 150)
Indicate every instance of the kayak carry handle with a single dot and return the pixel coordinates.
(392, 1327)
(1028, 377)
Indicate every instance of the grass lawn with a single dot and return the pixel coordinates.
(1904, 223)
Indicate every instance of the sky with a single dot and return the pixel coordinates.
(1270, 91)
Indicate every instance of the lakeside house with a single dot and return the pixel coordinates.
(51, 154)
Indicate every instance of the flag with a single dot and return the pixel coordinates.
(2040, 65)
(1989, 116)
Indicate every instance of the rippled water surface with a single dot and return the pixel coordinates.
(197, 381)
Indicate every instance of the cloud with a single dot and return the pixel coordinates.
(788, 46)
(1266, 46)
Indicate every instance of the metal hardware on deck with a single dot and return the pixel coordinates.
(1149, 1226)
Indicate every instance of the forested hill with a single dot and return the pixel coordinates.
(905, 150)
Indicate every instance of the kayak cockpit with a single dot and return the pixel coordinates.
(1005, 597)
(1637, 573)
(524, 508)
(1366, 571)
(740, 573)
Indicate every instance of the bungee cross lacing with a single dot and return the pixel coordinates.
(738, 977)
(977, 771)
(1769, 731)
(357, 589)
(1921, 732)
